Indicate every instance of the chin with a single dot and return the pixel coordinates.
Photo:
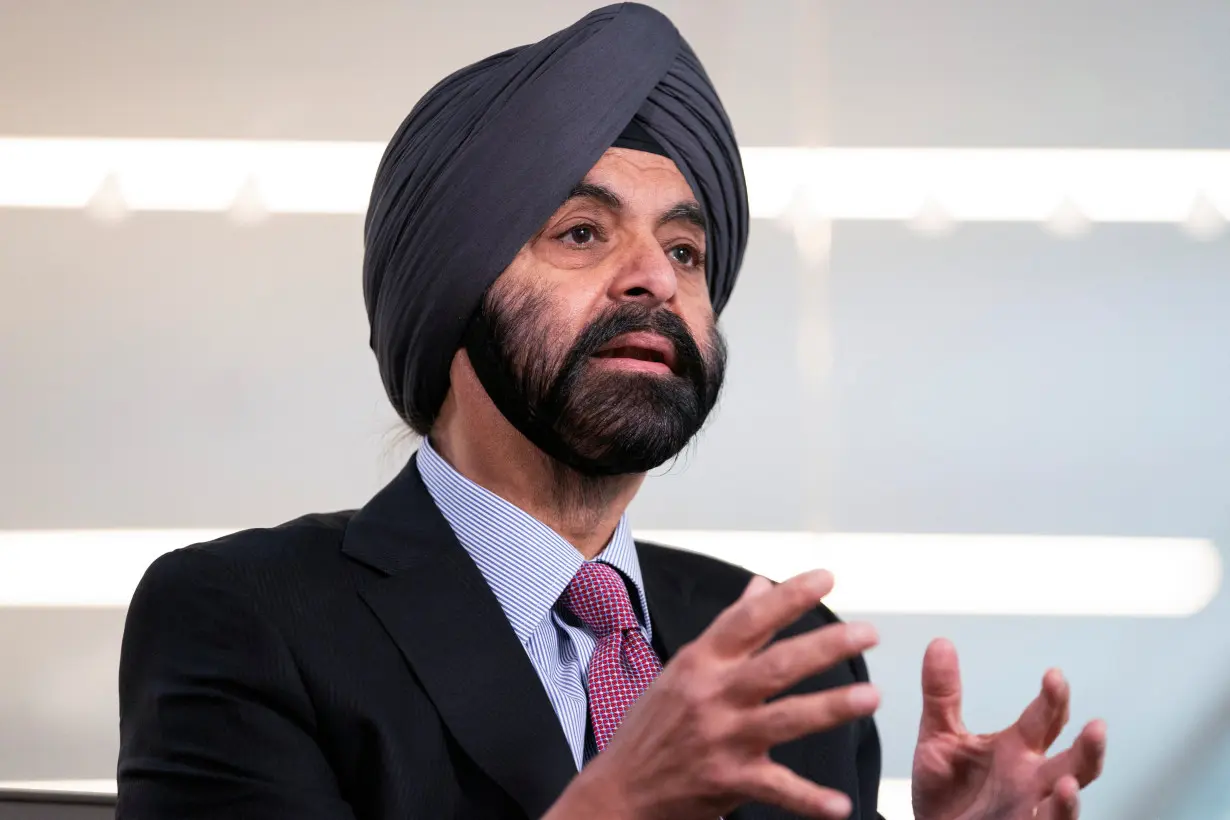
(639, 423)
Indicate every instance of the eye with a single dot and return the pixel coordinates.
(686, 255)
(580, 235)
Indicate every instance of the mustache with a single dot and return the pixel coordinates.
(633, 318)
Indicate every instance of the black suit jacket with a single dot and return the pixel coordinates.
(356, 666)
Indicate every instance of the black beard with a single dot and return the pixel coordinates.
(597, 422)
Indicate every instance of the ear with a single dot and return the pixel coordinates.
(463, 386)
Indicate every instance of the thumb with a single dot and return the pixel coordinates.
(941, 690)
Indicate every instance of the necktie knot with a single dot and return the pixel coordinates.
(598, 596)
(623, 663)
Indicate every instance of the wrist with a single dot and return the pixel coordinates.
(594, 792)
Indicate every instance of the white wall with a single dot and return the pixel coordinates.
(179, 371)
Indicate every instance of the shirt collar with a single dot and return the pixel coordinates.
(526, 563)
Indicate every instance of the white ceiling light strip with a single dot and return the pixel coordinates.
(98, 788)
(987, 185)
(940, 574)
(895, 801)
(894, 798)
(929, 186)
(876, 572)
(189, 175)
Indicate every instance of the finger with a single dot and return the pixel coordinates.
(786, 662)
(941, 690)
(749, 622)
(775, 785)
(1045, 717)
(754, 587)
(1082, 760)
(793, 717)
(1064, 802)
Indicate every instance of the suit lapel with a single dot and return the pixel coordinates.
(437, 608)
(669, 597)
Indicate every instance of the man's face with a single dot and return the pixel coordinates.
(599, 341)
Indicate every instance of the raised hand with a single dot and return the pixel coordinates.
(1001, 776)
(696, 744)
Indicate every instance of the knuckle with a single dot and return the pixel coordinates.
(714, 730)
(693, 661)
(842, 637)
(743, 619)
(695, 689)
(831, 708)
(778, 721)
(801, 595)
(776, 669)
(687, 657)
(827, 711)
(1096, 769)
(736, 621)
(826, 645)
(717, 775)
(718, 766)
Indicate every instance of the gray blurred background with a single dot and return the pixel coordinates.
(178, 370)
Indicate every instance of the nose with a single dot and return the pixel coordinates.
(644, 275)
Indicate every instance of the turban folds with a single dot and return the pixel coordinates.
(493, 150)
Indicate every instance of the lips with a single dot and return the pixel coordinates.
(640, 347)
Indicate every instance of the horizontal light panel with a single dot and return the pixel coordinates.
(188, 175)
(894, 794)
(933, 185)
(981, 574)
(875, 572)
(894, 798)
(103, 788)
(993, 185)
(83, 568)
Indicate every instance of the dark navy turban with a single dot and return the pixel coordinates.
(493, 150)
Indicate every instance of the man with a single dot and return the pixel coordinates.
(551, 235)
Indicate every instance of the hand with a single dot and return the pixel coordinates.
(1004, 776)
(696, 744)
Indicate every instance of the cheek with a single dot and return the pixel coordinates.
(575, 308)
(702, 334)
(575, 301)
(696, 311)
(694, 285)
(550, 310)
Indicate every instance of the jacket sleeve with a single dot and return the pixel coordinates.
(215, 721)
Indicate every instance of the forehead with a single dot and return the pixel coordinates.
(640, 175)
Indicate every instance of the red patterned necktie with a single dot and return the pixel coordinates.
(623, 664)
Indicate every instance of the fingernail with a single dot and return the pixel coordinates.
(818, 579)
(838, 805)
(864, 696)
(861, 633)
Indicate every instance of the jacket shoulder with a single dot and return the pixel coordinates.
(294, 540)
(714, 577)
(679, 563)
(303, 554)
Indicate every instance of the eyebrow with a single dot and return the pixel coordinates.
(689, 211)
(599, 193)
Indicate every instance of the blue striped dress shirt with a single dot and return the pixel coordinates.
(528, 565)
